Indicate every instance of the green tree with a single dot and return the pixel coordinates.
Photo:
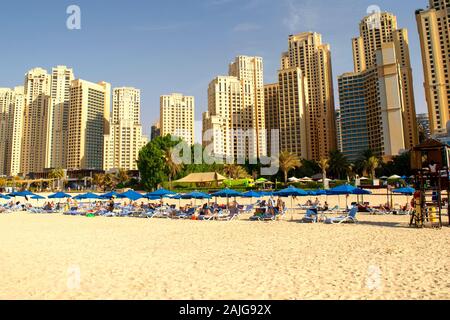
(338, 164)
(152, 163)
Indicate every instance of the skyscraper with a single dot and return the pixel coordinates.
(89, 111)
(378, 29)
(35, 145)
(12, 103)
(177, 116)
(62, 78)
(234, 125)
(250, 72)
(302, 107)
(313, 58)
(125, 139)
(377, 106)
(434, 32)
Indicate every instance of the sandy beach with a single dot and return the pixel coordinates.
(63, 257)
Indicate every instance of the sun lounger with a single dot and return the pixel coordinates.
(312, 216)
(350, 218)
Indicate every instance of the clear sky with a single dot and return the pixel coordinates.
(170, 46)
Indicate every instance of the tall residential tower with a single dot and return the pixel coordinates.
(125, 139)
(434, 32)
(177, 116)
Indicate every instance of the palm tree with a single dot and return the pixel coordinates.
(288, 161)
(324, 165)
(58, 175)
(3, 183)
(98, 180)
(235, 171)
(173, 168)
(371, 165)
(109, 181)
(122, 176)
(338, 164)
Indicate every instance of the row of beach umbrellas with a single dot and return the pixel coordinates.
(225, 193)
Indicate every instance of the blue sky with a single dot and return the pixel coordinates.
(180, 46)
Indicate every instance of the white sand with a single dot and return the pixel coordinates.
(59, 257)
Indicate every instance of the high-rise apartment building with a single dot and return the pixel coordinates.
(434, 32)
(89, 116)
(377, 100)
(371, 108)
(376, 30)
(177, 116)
(250, 72)
(313, 58)
(61, 79)
(235, 124)
(12, 103)
(35, 144)
(125, 139)
(300, 106)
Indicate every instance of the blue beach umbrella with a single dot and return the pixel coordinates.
(251, 194)
(226, 193)
(109, 195)
(23, 194)
(130, 194)
(196, 195)
(291, 192)
(60, 195)
(87, 196)
(160, 193)
(4, 197)
(406, 191)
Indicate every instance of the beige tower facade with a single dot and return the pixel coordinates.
(235, 125)
(12, 103)
(61, 79)
(250, 72)
(125, 140)
(434, 32)
(89, 116)
(177, 116)
(292, 113)
(226, 114)
(376, 30)
(371, 108)
(35, 145)
(313, 58)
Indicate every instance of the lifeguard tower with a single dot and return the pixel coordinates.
(430, 163)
